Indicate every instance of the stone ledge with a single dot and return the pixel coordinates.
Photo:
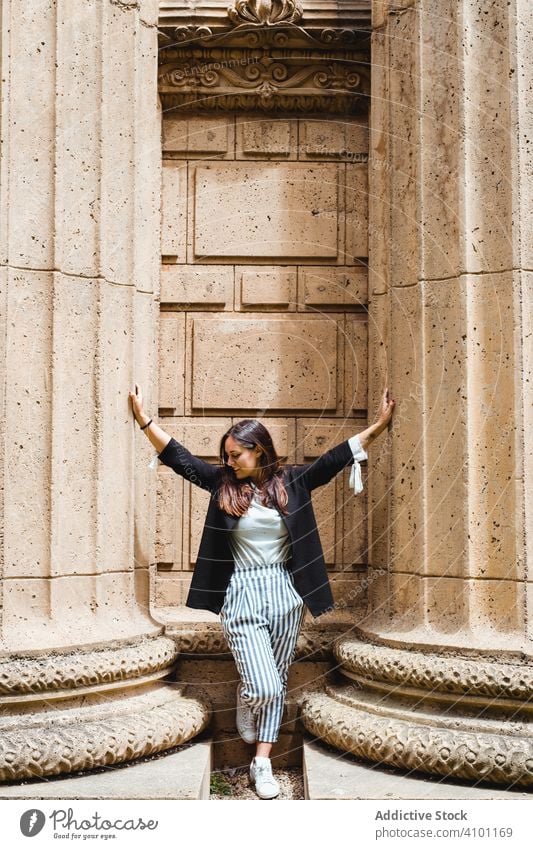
(330, 774)
(432, 744)
(183, 774)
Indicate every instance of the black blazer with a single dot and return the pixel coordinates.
(214, 565)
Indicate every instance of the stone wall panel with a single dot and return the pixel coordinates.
(269, 363)
(271, 210)
(248, 357)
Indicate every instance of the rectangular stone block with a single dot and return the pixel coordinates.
(113, 76)
(259, 286)
(198, 286)
(173, 210)
(76, 505)
(323, 286)
(260, 137)
(354, 512)
(207, 134)
(147, 161)
(290, 364)
(407, 468)
(329, 520)
(356, 212)
(379, 469)
(169, 521)
(143, 364)
(28, 203)
(265, 210)
(171, 361)
(491, 135)
(336, 138)
(379, 165)
(27, 334)
(196, 504)
(404, 175)
(83, 156)
(446, 441)
(356, 365)
(495, 460)
(110, 337)
(442, 200)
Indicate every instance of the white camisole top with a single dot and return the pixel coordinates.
(260, 536)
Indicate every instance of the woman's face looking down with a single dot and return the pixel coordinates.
(244, 461)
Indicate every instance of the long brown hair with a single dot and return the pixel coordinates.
(234, 496)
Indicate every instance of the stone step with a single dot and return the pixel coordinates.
(331, 774)
(181, 774)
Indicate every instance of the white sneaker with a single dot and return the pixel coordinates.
(245, 720)
(266, 785)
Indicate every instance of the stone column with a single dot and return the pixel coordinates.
(449, 619)
(81, 658)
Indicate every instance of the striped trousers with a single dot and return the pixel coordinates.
(261, 618)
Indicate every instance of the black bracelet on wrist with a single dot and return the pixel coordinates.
(146, 425)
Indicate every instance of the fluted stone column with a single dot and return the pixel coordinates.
(81, 658)
(440, 677)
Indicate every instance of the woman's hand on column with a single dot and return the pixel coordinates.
(155, 434)
(385, 412)
(386, 409)
(136, 399)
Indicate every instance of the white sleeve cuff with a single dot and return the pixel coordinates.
(356, 481)
(153, 462)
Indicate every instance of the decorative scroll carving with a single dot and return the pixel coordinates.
(414, 745)
(93, 668)
(293, 80)
(430, 671)
(85, 743)
(282, 35)
(263, 58)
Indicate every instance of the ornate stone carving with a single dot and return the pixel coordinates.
(93, 707)
(431, 671)
(263, 58)
(265, 12)
(288, 80)
(164, 720)
(92, 668)
(434, 746)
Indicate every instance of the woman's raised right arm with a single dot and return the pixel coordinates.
(157, 436)
(171, 452)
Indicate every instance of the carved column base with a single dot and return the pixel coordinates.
(68, 712)
(440, 714)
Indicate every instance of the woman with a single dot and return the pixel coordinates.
(260, 560)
